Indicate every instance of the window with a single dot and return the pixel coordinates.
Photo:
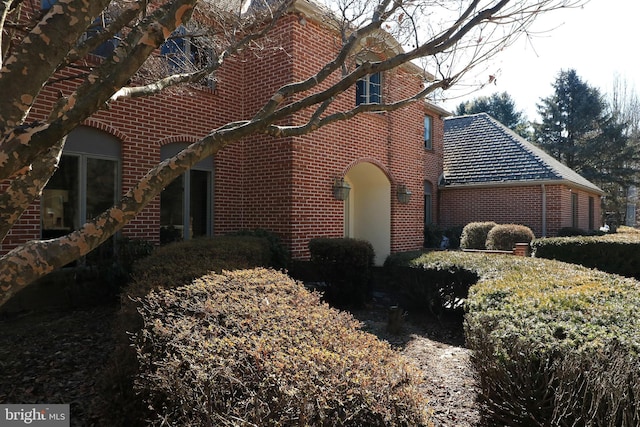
(369, 89)
(46, 4)
(428, 204)
(591, 213)
(85, 184)
(574, 209)
(105, 49)
(428, 144)
(186, 204)
(188, 53)
(185, 52)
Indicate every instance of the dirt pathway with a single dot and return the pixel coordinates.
(437, 347)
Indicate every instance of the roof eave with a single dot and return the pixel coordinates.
(523, 183)
(313, 11)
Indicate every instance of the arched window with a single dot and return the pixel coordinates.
(186, 204)
(428, 204)
(86, 183)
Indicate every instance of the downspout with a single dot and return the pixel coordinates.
(544, 210)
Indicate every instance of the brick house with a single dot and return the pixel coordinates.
(290, 186)
(391, 163)
(492, 174)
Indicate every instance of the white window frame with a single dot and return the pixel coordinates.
(428, 132)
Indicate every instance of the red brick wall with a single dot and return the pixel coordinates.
(287, 185)
(143, 125)
(517, 204)
(433, 160)
(283, 185)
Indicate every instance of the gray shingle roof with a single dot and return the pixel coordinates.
(480, 150)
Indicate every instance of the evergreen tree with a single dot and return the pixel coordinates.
(501, 107)
(579, 129)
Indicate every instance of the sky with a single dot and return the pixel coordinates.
(598, 40)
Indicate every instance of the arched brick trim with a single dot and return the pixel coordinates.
(374, 162)
(96, 124)
(189, 139)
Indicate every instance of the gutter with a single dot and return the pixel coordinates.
(535, 182)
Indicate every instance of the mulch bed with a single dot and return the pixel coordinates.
(55, 358)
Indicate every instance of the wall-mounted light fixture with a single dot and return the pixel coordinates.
(340, 189)
(404, 195)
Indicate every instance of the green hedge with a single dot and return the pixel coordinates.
(169, 266)
(254, 347)
(345, 265)
(432, 290)
(554, 344)
(280, 256)
(617, 253)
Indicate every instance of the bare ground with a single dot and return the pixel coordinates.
(55, 357)
(436, 345)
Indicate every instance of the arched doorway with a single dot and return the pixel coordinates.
(368, 208)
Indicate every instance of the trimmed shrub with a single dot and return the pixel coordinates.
(504, 237)
(553, 344)
(474, 235)
(571, 232)
(254, 347)
(345, 265)
(454, 235)
(170, 266)
(432, 236)
(280, 257)
(434, 290)
(614, 253)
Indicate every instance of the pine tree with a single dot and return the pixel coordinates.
(579, 129)
(501, 107)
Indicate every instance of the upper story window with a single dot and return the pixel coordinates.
(188, 52)
(105, 49)
(428, 133)
(185, 52)
(369, 89)
(46, 4)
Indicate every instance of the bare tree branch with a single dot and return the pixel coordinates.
(471, 32)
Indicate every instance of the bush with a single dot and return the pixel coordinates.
(504, 237)
(571, 231)
(613, 253)
(169, 266)
(454, 235)
(346, 267)
(280, 257)
(254, 347)
(433, 290)
(474, 235)
(432, 236)
(553, 344)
